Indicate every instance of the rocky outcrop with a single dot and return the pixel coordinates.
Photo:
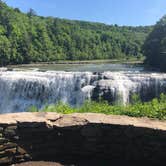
(80, 137)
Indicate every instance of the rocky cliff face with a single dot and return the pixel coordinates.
(79, 137)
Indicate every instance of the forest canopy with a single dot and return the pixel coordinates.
(155, 46)
(26, 38)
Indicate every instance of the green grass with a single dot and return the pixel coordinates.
(155, 108)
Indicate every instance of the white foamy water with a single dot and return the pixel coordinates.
(20, 90)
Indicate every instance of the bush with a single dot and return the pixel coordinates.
(152, 109)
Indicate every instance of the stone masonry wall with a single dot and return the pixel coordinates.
(80, 137)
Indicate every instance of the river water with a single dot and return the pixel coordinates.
(102, 67)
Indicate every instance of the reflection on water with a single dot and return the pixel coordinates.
(84, 67)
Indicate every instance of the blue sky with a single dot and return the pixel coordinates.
(121, 12)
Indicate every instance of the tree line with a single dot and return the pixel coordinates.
(155, 46)
(26, 38)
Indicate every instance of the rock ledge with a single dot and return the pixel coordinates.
(57, 137)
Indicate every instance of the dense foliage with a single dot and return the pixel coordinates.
(155, 46)
(26, 38)
(152, 109)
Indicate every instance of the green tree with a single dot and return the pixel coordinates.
(155, 46)
(27, 38)
(31, 13)
(4, 50)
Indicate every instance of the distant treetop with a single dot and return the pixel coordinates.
(26, 38)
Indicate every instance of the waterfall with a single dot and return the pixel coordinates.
(19, 90)
(119, 86)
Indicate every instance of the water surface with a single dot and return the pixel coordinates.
(83, 67)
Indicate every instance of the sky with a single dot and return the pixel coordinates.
(121, 12)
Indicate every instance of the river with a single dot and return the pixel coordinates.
(92, 67)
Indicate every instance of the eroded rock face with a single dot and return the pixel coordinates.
(81, 137)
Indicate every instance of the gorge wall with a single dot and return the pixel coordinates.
(81, 137)
(21, 90)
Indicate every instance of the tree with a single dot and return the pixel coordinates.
(155, 46)
(17, 10)
(4, 50)
(27, 38)
(31, 13)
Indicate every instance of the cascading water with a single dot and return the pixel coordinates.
(20, 90)
(119, 87)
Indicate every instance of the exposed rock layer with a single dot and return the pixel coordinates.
(79, 137)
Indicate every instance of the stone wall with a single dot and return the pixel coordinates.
(81, 137)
